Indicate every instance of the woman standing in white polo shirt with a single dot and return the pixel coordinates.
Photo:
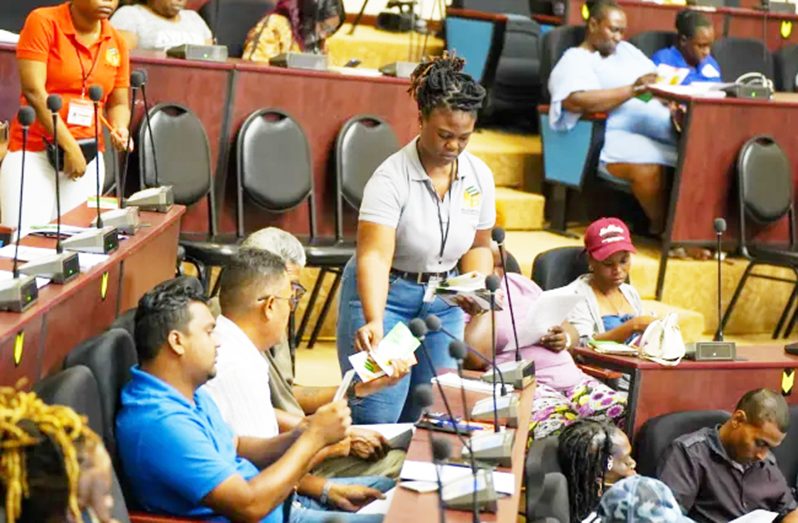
(427, 209)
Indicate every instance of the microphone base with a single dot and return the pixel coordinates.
(459, 494)
(97, 241)
(152, 199)
(18, 294)
(711, 351)
(521, 374)
(494, 447)
(125, 220)
(506, 408)
(60, 268)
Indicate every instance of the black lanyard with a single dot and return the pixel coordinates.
(434, 193)
(83, 75)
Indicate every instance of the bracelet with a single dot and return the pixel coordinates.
(325, 493)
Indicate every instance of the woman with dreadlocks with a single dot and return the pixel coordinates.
(426, 210)
(592, 455)
(53, 467)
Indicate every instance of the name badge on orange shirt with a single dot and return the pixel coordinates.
(81, 113)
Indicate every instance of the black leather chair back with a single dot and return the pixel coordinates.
(515, 7)
(546, 486)
(364, 142)
(787, 453)
(786, 64)
(126, 321)
(516, 82)
(231, 20)
(273, 160)
(764, 177)
(652, 41)
(109, 357)
(13, 14)
(737, 56)
(182, 153)
(111, 160)
(558, 267)
(76, 388)
(554, 45)
(656, 435)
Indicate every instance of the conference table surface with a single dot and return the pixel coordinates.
(411, 507)
(655, 389)
(33, 343)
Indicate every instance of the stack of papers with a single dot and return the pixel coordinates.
(470, 284)
(399, 344)
(450, 379)
(612, 347)
(86, 260)
(423, 471)
(669, 75)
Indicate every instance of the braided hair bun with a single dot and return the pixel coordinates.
(440, 83)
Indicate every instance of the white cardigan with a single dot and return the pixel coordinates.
(585, 316)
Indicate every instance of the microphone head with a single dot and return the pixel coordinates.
(54, 103)
(497, 234)
(720, 225)
(492, 283)
(26, 116)
(457, 350)
(423, 396)
(95, 93)
(137, 78)
(433, 323)
(417, 327)
(441, 449)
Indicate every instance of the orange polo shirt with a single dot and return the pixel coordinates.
(49, 36)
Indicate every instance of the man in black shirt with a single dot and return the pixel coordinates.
(721, 473)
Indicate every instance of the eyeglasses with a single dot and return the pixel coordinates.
(297, 292)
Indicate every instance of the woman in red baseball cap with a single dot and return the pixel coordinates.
(612, 309)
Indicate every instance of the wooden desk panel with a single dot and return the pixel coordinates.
(411, 507)
(691, 385)
(28, 363)
(9, 82)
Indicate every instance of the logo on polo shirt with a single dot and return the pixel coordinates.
(112, 57)
(472, 198)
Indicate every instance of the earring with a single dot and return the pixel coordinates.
(609, 464)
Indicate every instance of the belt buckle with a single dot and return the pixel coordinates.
(419, 278)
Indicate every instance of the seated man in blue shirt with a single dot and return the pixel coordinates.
(692, 50)
(179, 456)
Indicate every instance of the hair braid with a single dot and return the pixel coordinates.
(27, 426)
(440, 83)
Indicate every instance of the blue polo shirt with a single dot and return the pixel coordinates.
(175, 453)
(708, 70)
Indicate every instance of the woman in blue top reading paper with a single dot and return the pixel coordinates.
(606, 74)
(692, 50)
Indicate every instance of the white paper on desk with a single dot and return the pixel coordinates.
(503, 482)
(379, 506)
(695, 89)
(757, 516)
(86, 260)
(7, 37)
(8, 275)
(398, 435)
(550, 309)
(450, 379)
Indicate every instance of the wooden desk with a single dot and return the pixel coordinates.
(66, 315)
(655, 390)
(411, 507)
(777, 29)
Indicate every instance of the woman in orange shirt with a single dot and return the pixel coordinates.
(64, 50)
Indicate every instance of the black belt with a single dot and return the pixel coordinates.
(420, 277)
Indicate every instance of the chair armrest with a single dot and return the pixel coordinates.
(475, 15)
(599, 373)
(146, 517)
(548, 19)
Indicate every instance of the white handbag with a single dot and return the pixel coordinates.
(662, 341)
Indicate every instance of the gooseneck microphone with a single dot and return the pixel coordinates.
(492, 283)
(149, 129)
(720, 228)
(26, 117)
(96, 94)
(137, 80)
(497, 234)
(54, 103)
(441, 450)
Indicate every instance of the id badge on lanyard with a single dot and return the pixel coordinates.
(81, 112)
(429, 291)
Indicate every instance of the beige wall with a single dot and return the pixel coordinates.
(426, 7)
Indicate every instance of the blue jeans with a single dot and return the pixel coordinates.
(309, 510)
(405, 302)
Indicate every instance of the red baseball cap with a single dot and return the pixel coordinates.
(606, 236)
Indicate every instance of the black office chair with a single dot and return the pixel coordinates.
(546, 486)
(363, 143)
(786, 65)
(183, 159)
(558, 267)
(231, 20)
(738, 56)
(553, 46)
(111, 160)
(13, 14)
(652, 41)
(765, 197)
(656, 435)
(76, 388)
(787, 453)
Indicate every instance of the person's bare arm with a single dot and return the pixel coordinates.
(622, 332)
(263, 452)
(119, 117)
(375, 248)
(479, 258)
(477, 336)
(791, 517)
(603, 100)
(131, 38)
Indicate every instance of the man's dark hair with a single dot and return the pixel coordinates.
(247, 273)
(689, 21)
(441, 83)
(583, 453)
(763, 405)
(598, 9)
(162, 310)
